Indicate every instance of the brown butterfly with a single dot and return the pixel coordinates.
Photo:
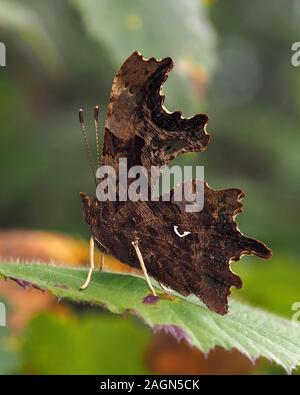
(187, 252)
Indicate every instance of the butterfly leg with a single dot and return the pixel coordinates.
(102, 257)
(140, 257)
(102, 262)
(92, 265)
(164, 287)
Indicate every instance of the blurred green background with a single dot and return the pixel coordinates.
(232, 61)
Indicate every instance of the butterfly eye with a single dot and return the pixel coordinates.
(185, 233)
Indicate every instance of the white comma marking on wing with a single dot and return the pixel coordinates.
(180, 234)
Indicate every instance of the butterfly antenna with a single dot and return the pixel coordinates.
(96, 122)
(86, 141)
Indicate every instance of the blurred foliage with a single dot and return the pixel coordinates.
(273, 285)
(9, 358)
(168, 356)
(255, 117)
(89, 345)
(232, 61)
(25, 23)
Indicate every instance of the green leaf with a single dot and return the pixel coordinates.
(84, 345)
(250, 330)
(180, 29)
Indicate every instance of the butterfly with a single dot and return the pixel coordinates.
(188, 252)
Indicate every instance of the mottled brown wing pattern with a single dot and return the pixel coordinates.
(198, 263)
(140, 129)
